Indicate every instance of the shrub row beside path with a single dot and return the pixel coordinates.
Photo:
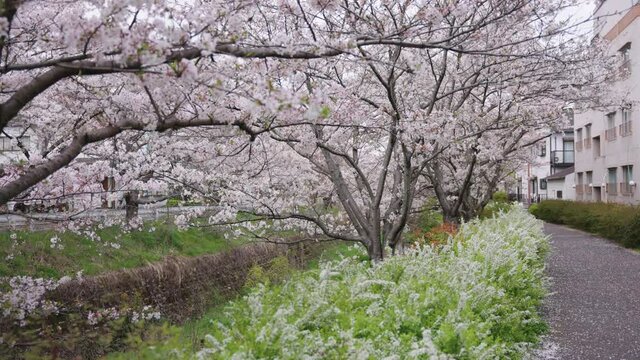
(617, 222)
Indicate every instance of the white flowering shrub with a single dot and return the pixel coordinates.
(475, 298)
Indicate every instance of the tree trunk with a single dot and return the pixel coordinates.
(375, 251)
(131, 204)
(397, 248)
(451, 218)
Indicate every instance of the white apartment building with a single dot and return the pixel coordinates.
(608, 142)
(549, 175)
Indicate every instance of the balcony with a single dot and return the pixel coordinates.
(587, 143)
(610, 134)
(625, 128)
(579, 146)
(612, 188)
(626, 189)
(580, 189)
(562, 158)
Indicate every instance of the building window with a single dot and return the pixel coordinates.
(579, 140)
(625, 127)
(612, 184)
(587, 136)
(627, 177)
(570, 116)
(543, 184)
(542, 151)
(596, 147)
(580, 184)
(610, 133)
(7, 144)
(625, 58)
(626, 114)
(567, 152)
(589, 182)
(611, 119)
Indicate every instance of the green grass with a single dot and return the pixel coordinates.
(336, 251)
(31, 253)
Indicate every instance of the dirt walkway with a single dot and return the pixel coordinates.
(594, 308)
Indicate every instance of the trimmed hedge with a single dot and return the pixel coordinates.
(613, 221)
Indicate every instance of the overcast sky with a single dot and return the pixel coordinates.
(581, 13)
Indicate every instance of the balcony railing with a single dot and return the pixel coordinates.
(612, 188)
(588, 189)
(610, 134)
(626, 189)
(587, 143)
(625, 128)
(562, 157)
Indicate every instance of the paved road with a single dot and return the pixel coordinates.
(594, 308)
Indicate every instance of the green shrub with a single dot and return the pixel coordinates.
(494, 208)
(173, 202)
(631, 233)
(613, 221)
(500, 197)
(475, 298)
(429, 218)
(276, 270)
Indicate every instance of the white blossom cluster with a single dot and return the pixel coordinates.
(26, 299)
(26, 296)
(474, 298)
(146, 313)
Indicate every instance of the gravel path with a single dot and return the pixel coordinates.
(594, 308)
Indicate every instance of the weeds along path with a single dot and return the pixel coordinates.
(594, 307)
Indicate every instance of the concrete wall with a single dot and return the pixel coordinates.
(563, 187)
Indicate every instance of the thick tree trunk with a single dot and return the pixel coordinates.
(451, 218)
(131, 204)
(375, 251)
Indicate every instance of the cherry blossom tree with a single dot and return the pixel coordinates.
(321, 114)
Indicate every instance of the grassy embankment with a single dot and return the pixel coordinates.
(32, 253)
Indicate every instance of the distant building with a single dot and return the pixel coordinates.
(550, 174)
(14, 142)
(608, 142)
